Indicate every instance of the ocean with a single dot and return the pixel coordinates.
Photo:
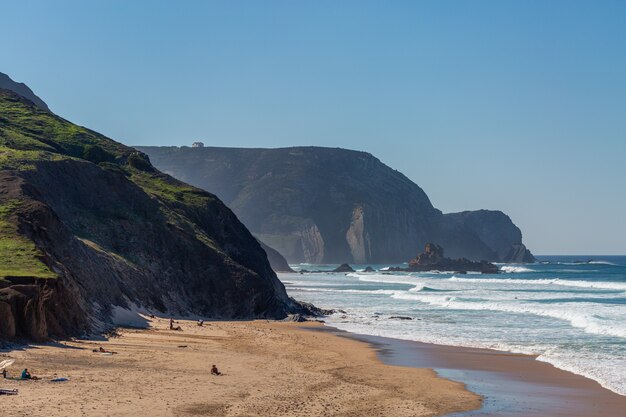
(568, 310)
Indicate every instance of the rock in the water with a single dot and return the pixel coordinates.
(369, 269)
(343, 268)
(433, 259)
(401, 318)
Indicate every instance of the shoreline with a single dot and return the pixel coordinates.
(512, 384)
(271, 368)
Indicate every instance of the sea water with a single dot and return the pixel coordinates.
(570, 311)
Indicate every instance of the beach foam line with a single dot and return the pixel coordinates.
(609, 378)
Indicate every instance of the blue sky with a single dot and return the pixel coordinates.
(511, 105)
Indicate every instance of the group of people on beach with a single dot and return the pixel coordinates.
(25, 375)
(214, 370)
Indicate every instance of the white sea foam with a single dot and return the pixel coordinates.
(515, 269)
(606, 371)
(587, 316)
(578, 325)
(391, 279)
(594, 366)
(381, 292)
(556, 281)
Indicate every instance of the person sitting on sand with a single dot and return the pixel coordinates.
(214, 371)
(172, 326)
(200, 323)
(27, 375)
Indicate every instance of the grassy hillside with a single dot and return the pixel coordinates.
(29, 135)
(18, 255)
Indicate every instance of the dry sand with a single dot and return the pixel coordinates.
(271, 369)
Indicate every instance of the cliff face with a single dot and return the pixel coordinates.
(323, 205)
(497, 231)
(312, 204)
(88, 225)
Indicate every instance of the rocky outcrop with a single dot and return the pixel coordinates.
(433, 259)
(343, 268)
(323, 205)
(38, 309)
(497, 231)
(23, 90)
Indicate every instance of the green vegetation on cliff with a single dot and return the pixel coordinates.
(18, 256)
(116, 231)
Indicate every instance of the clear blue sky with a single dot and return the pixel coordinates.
(511, 105)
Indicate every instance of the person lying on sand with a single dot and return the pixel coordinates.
(214, 371)
(103, 350)
(27, 375)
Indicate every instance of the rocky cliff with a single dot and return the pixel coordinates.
(88, 226)
(497, 231)
(323, 205)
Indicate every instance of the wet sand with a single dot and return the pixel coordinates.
(513, 385)
(271, 369)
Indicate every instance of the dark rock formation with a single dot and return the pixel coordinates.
(497, 231)
(369, 269)
(433, 259)
(277, 261)
(400, 318)
(96, 237)
(323, 205)
(343, 268)
(37, 309)
(432, 255)
(23, 90)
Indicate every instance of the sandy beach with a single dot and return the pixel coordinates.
(270, 369)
